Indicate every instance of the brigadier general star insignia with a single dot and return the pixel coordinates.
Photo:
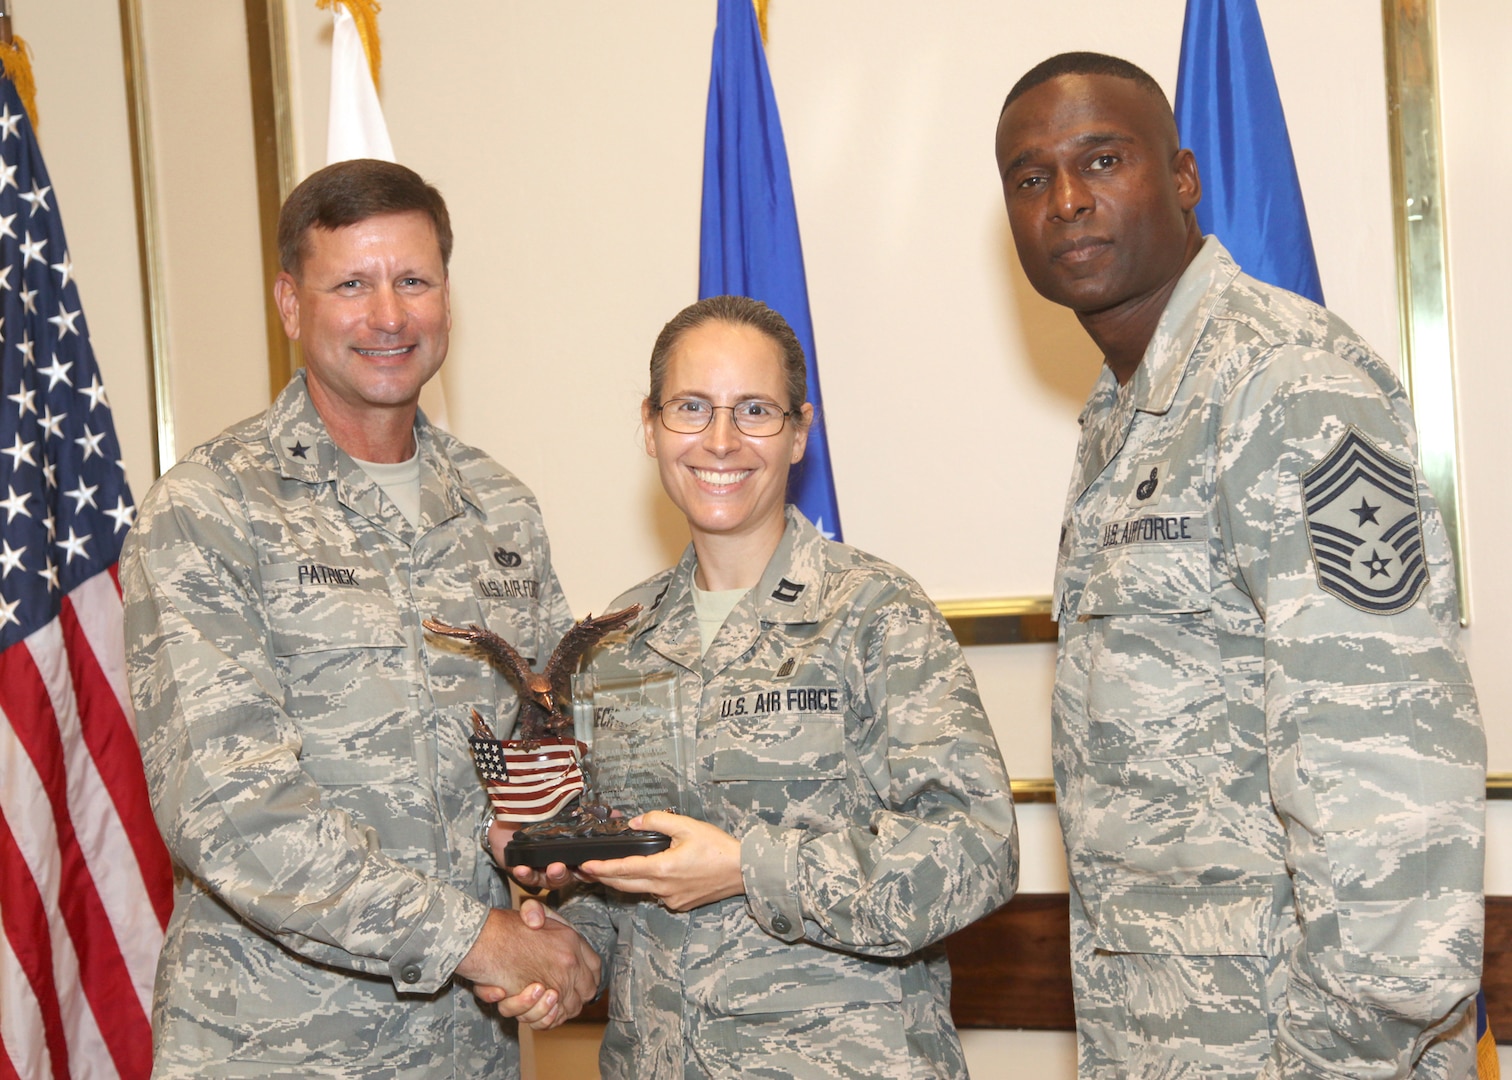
(1364, 526)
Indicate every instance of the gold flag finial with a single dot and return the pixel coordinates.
(16, 56)
(365, 14)
(761, 13)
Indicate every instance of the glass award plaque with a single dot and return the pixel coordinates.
(636, 744)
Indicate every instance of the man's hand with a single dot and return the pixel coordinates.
(519, 952)
(701, 866)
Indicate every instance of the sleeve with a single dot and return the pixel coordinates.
(222, 757)
(940, 850)
(1375, 747)
(590, 913)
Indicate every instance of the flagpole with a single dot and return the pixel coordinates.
(5, 23)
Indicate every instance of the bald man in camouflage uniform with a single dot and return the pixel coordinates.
(305, 746)
(836, 732)
(1268, 754)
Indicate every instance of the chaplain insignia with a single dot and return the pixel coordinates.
(1364, 526)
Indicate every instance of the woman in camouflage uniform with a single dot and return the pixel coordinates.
(846, 806)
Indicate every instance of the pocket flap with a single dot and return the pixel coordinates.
(1204, 920)
(345, 611)
(786, 747)
(1168, 574)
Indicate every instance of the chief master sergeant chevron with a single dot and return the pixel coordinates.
(1268, 755)
(305, 745)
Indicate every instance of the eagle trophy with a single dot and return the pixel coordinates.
(531, 778)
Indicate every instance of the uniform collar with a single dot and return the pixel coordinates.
(1199, 290)
(306, 452)
(787, 593)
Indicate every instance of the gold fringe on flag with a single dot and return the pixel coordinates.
(365, 14)
(761, 13)
(16, 56)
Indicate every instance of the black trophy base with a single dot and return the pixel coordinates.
(539, 853)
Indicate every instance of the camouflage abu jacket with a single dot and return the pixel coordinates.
(837, 733)
(306, 746)
(1268, 754)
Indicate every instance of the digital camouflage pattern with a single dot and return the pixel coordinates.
(306, 746)
(840, 738)
(1272, 796)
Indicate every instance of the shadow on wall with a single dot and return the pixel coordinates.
(1056, 348)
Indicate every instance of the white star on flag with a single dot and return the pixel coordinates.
(15, 504)
(90, 442)
(64, 321)
(124, 514)
(37, 197)
(53, 425)
(26, 398)
(83, 495)
(10, 559)
(95, 392)
(56, 372)
(19, 450)
(74, 545)
(31, 249)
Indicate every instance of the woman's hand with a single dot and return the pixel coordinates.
(701, 866)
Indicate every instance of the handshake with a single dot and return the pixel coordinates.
(532, 965)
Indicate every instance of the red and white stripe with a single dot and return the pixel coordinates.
(540, 782)
(85, 882)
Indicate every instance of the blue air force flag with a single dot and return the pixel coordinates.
(748, 243)
(1228, 111)
(1364, 526)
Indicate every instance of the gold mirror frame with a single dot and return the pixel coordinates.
(1423, 293)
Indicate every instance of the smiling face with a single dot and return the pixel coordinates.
(1099, 196)
(728, 485)
(371, 308)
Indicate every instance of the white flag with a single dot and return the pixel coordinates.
(356, 126)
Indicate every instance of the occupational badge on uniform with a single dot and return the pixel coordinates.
(1149, 478)
(1364, 526)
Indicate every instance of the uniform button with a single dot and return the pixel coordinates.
(781, 924)
(410, 973)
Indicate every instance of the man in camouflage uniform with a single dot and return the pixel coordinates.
(305, 745)
(1268, 755)
(835, 731)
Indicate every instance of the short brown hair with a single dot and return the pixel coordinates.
(737, 311)
(351, 191)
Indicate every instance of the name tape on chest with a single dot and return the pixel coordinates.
(789, 699)
(1154, 529)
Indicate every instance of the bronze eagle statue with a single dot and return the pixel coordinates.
(543, 695)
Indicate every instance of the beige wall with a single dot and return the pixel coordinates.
(568, 140)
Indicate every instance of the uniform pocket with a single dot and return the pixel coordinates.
(346, 683)
(782, 746)
(781, 978)
(1173, 962)
(1167, 574)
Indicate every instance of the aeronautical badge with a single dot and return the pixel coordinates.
(1364, 526)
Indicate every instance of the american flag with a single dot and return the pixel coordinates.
(85, 882)
(529, 781)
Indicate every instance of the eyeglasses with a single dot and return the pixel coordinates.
(690, 415)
